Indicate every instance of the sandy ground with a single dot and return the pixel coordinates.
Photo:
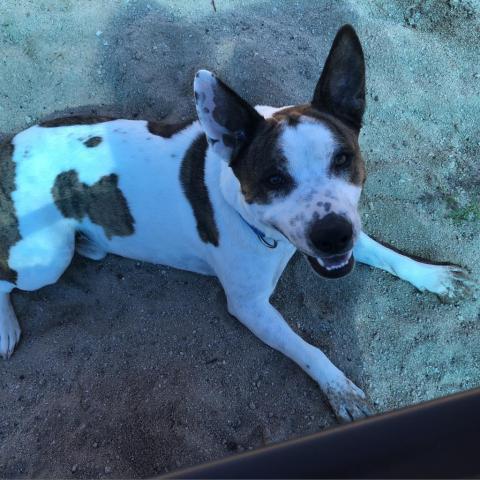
(131, 370)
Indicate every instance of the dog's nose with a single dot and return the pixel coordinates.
(331, 235)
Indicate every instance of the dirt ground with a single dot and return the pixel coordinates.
(131, 370)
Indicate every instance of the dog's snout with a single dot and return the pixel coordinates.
(331, 235)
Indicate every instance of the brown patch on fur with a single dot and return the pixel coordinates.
(103, 202)
(9, 232)
(192, 178)
(347, 137)
(93, 142)
(75, 120)
(257, 161)
(167, 130)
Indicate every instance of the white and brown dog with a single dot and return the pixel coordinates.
(234, 195)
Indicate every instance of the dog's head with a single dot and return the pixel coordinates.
(299, 171)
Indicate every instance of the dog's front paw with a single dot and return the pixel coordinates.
(9, 337)
(348, 402)
(449, 282)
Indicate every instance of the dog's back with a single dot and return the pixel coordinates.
(118, 182)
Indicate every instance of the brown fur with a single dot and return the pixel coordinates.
(75, 120)
(9, 232)
(345, 136)
(103, 202)
(192, 178)
(93, 142)
(261, 158)
(167, 130)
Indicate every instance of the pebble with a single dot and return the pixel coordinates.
(95, 445)
(99, 33)
(74, 468)
(108, 469)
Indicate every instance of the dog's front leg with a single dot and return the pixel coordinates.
(9, 327)
(346, 399)
(446, 280)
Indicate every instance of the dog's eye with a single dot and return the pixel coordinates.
(342, 159)
(275, 181)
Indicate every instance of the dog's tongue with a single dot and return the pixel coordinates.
(327, 270)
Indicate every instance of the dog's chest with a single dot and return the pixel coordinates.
(116, 181)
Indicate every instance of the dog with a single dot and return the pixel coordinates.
(233, 194)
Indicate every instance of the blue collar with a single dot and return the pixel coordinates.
(268, 242)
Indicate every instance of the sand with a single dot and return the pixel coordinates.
(131, 370)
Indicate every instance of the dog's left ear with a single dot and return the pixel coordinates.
(341, 88)
(228, 120)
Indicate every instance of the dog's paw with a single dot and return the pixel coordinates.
(348, 402)
(9, 337)
(448, 282)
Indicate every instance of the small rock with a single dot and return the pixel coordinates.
(99, 33)
(74, 468)
(108, 469)
(95, 445)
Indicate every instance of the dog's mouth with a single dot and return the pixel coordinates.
(335, 266)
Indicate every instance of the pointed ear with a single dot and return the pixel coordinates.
(341, 88)
(228, 120)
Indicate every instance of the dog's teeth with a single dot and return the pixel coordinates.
(335, 267)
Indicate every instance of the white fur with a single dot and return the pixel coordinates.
(9, 327)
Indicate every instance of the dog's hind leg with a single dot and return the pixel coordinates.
(346, 399)
(448, 281)
(9, 327)
(39, 259)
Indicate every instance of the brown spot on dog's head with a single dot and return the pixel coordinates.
(9, 231)
(261, 167)
(75, 120)
(192, 178)
(103, 202)
(167, 130)
(346, 137)
(93, 142)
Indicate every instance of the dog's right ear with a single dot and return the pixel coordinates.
(228, 120)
